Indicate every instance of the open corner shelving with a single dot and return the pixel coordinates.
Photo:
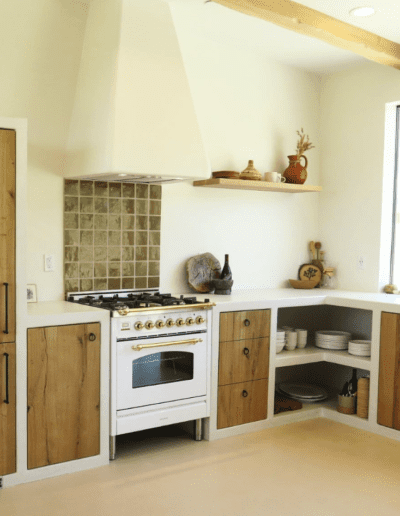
(259, 186)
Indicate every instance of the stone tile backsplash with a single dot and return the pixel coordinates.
(111, 235)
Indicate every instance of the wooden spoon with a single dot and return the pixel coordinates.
(312, 249)
(318, 246)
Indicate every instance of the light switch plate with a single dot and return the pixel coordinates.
(49, 265)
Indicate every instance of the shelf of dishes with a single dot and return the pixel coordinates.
(352, 400)
(295, 346)
(311, 354)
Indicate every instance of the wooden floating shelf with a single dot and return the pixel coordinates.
(260, 186)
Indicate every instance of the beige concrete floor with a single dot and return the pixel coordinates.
(312, 468)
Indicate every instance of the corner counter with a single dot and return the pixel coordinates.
(357, 312)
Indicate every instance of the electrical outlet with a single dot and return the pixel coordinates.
(361, 262)
(49, 264)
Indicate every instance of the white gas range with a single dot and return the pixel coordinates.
(160, 359)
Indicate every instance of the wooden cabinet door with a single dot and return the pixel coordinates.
(243, 360)
(63, 393)
(242, 403)
(7, 235)
(389, 372)
(7, 409)
(251, 324)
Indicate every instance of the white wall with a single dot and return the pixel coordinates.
(40, 51)
(248, 108)
(353, 174)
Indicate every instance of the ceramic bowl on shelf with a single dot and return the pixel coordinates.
(279, 346)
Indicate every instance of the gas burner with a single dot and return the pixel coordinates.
(117, 306)
(97, 302)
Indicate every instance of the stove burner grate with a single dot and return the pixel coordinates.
(133, 300)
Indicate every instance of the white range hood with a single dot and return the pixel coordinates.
(133, 119)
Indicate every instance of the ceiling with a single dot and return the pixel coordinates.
(211, 20)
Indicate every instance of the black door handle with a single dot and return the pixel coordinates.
(7, 400)
(6, 308)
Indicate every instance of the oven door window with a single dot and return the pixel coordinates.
(161, 368)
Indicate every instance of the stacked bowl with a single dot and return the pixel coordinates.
(361, 348)
(336, 340)
(280, 340)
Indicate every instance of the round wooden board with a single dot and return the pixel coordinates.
(227, 174)
(308, 271)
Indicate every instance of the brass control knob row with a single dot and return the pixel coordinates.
(149, 325)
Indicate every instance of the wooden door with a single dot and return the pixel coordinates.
(389, 372)
(7, 235)
(7, 409)
(63, 393)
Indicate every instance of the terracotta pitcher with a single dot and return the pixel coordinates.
(296, 173)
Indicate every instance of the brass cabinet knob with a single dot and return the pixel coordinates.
(246, 351)
(189, 321)
(149, 325)
(245, 394)
(160, 324)
(246, 322)
(92, 337)
(180, 322)
(170, 323)
(139, 326)
(199, 319)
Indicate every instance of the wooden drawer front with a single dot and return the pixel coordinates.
(389, 372)
(242, 403)
(244, 325)
(243, 360)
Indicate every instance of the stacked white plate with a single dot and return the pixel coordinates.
(303, 392)
(280, 340)
(332, 339)
(362, 348)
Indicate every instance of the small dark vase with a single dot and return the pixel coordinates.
(296, 173)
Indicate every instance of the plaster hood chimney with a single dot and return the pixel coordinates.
(133, 119)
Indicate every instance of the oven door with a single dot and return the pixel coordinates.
(161, 370)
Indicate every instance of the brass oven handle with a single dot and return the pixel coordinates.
(163, 344)
(194, 306)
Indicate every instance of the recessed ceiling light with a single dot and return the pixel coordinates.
(362, 11)
(122, 175)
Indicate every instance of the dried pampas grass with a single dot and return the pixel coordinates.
(303, 144)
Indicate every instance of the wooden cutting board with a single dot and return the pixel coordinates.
(309, 271)
(227, 174)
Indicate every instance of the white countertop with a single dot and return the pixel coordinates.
(274, 298)
(49, 313)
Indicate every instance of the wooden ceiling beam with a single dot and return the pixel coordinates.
(309, 22)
